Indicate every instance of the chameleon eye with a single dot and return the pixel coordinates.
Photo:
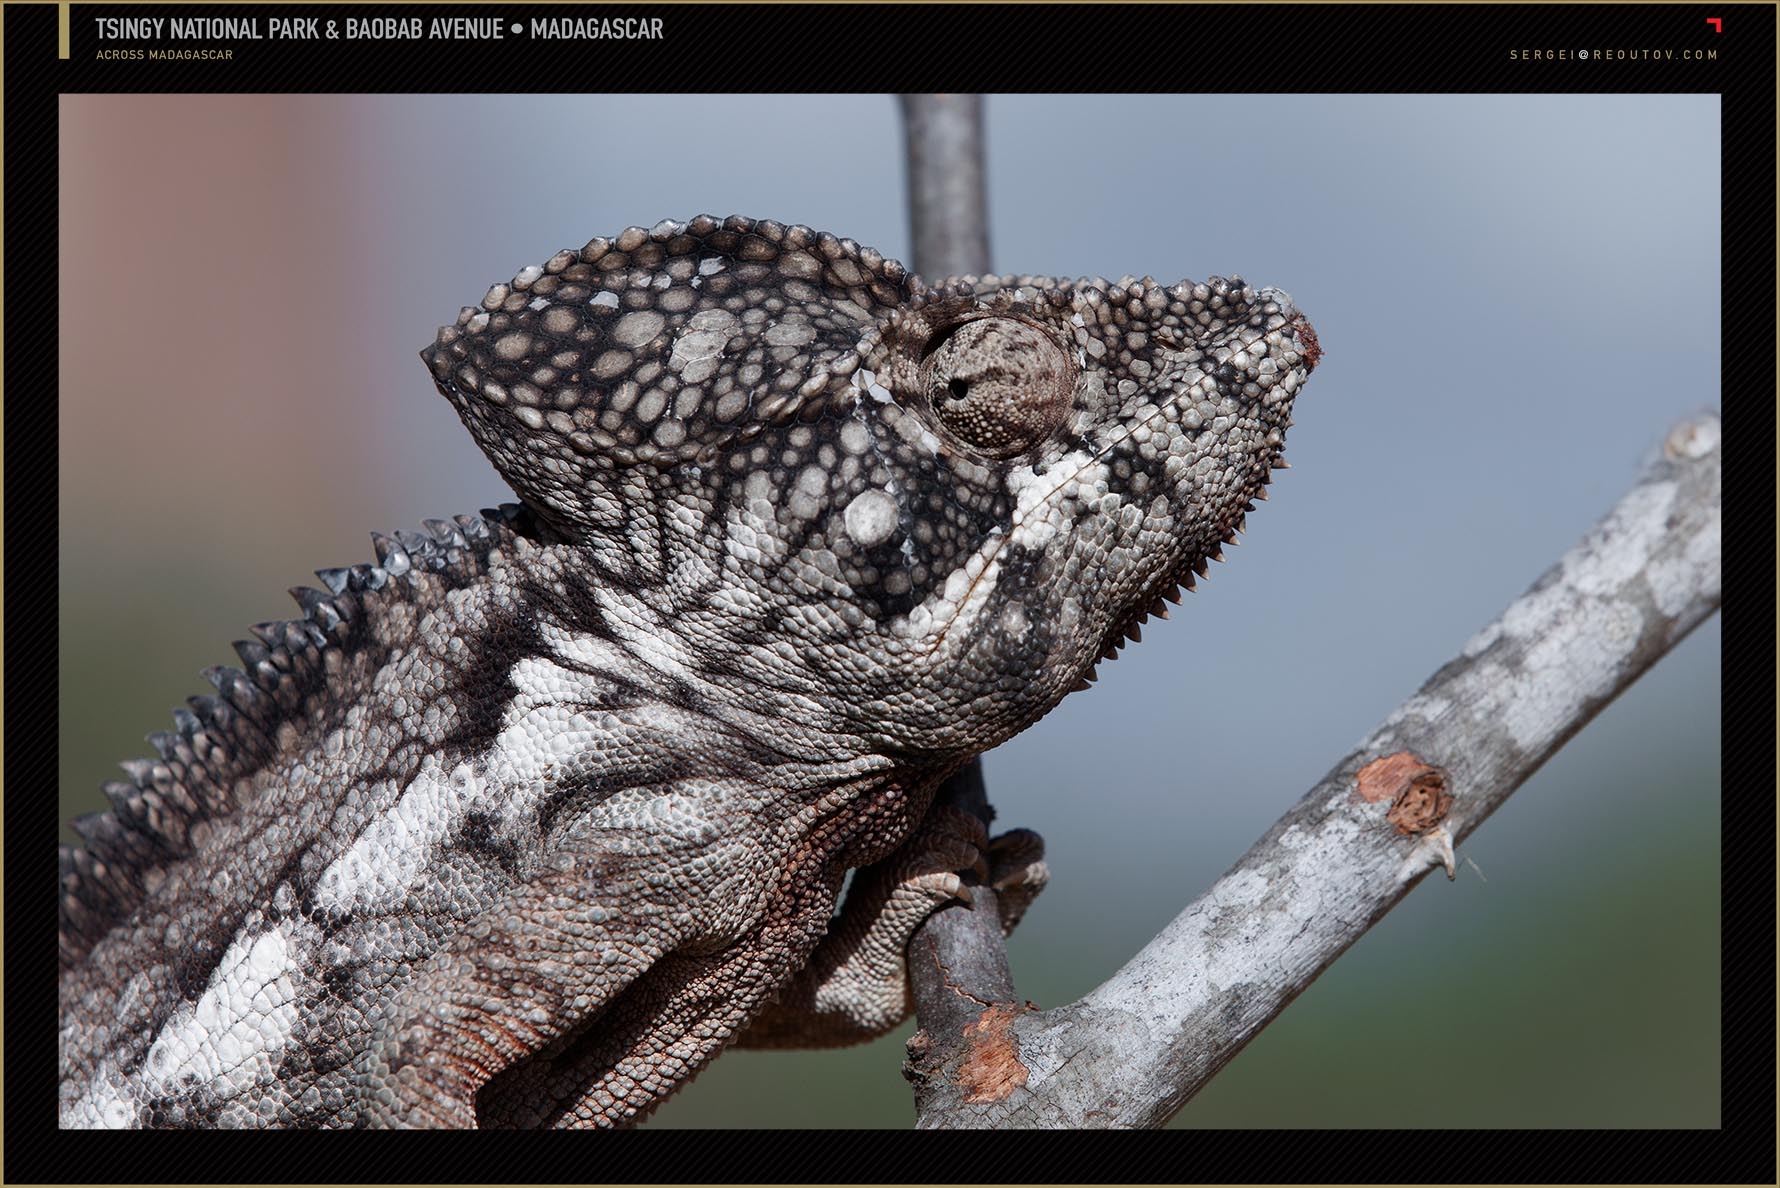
(997, 386)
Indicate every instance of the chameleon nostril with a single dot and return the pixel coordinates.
(1313, 350)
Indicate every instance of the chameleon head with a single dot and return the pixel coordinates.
(918, 516)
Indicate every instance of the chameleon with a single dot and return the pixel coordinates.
(524, 822)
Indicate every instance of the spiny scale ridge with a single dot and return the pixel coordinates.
(217, 739)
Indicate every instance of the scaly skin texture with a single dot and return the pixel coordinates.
(522, 824)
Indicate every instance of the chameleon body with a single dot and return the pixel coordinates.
(523, 823)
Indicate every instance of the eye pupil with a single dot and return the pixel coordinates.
(995, 386)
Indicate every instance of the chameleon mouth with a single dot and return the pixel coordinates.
(1172, 588)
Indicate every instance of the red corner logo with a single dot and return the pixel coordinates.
(1717, 24)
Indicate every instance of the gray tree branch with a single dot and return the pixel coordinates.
(957, 962)
(948, 206)
(1136, 1049)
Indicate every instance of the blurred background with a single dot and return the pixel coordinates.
(1517, 295)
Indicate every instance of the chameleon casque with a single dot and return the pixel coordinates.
(525, 822)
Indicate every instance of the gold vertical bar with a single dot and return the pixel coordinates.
(62, 29)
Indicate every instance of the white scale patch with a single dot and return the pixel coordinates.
(698, 351)
(104, 1106)
(871, 518)
(645, 634)
(400, 845)
(965, 593)
(866, 381)
(1043, 503)
(230, 1040)
(544, 735)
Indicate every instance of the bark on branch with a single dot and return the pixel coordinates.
(1136, 1049)
(948, 206)
(957, 961)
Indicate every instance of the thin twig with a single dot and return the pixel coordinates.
(957, 961)
(948, 206)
